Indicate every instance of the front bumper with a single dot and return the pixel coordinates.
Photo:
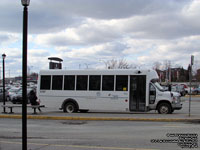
(177, 106)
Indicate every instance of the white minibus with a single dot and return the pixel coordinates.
(105, 90)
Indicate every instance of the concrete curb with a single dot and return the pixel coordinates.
(103, 118)
(192, 95)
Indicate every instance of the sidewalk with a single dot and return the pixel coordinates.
(53, 114)
(192, 95)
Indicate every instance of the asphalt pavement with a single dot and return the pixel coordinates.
(99, 135)
(56, 114)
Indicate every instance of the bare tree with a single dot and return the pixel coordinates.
(112, 64)
(157, 65)
(123, 64)
(167, 65)
(118, 64)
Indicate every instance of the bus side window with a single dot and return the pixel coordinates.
(69, 82)
(122, 83)
(57, 82)
(45, 82)
(108, 83)
(152, 94)
(82, 81)
(94, 82)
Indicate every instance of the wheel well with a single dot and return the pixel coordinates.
(70, 101)
(163, 101)
(186, 92)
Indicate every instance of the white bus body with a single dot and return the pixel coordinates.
(107, 90)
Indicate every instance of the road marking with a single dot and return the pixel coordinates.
(180, 125)
(79, 146)
(173, 126)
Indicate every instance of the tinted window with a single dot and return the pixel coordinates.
(81, 83)
(69, 82)
(94, 83)
(121, 83)
(45, 83)
(57, 82)
(108, 83)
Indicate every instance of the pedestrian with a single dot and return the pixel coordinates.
(33, 99)
(169, 87)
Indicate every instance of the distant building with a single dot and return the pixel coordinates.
(198, 75)
(173, 75)
(33, 77)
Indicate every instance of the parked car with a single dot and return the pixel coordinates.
(12, 92)
(17, 97)
(179, 88)
(196, 90)
(186, 87)
(6, 95)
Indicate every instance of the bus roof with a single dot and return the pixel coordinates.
(152, 73)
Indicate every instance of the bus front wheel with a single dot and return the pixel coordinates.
(164, 108)
(70, 107)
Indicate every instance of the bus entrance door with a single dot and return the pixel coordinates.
(137, 93)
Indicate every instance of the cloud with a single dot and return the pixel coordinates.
(178, 51)
(38, 59)
(94, 52)
(84, 32)
(54, 16)
(8, 38)
(90, 32)
(169, 22)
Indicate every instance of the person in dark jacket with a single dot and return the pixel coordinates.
(33, 99)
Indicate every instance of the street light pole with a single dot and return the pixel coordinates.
(25, 3)
(4, 96)
(190, 76)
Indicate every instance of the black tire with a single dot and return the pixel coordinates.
(164, 108)
(70, 107)
(186, 92)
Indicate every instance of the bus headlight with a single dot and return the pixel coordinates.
(175, 99)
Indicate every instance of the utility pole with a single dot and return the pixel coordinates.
(192, 62)
(0, 73)
(170, 72)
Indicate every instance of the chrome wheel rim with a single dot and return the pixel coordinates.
(164, 110)
(70, 108)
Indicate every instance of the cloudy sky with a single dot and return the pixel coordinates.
(87, 33)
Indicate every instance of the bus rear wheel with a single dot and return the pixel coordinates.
(164, 108)
(70, 108)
